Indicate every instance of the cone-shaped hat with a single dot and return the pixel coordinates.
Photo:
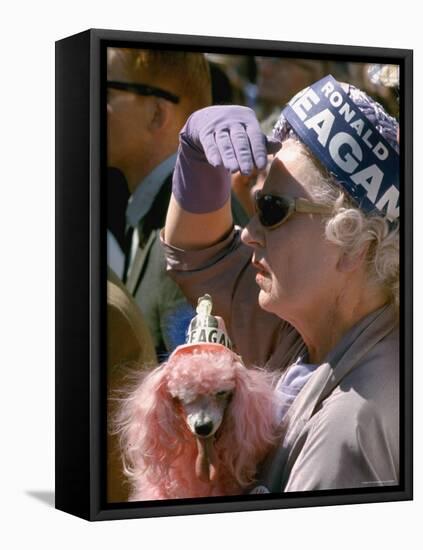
(206, 332)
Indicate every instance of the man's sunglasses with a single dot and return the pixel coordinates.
(274, 210)
(142, 89)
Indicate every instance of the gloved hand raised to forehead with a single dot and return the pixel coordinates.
(230, 136)
(214, 142)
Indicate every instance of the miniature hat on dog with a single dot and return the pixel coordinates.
(206, 332)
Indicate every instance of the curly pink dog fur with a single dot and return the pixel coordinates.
(160, 451)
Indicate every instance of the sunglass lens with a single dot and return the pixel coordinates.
(271, 209)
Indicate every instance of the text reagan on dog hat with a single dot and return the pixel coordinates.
(206, 332)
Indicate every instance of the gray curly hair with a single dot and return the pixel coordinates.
(348, 226)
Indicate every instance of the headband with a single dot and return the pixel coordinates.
(348, 144)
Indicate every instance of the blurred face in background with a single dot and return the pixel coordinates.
(126, 113)
(279, 79)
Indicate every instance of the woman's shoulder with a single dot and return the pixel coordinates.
(376, 375)
(366, 399)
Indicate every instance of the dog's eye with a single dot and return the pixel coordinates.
(222, 393)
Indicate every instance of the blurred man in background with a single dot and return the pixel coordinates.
(150, 94)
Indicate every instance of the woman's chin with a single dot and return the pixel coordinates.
(265, 300)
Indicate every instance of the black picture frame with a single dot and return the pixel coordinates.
(81, 274)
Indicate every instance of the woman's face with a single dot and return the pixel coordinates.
(296, 265)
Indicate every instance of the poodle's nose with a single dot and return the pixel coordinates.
(204, 429)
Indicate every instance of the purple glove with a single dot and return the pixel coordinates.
(214, 142)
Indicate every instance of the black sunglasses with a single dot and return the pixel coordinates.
(142, 89)
(274, 210)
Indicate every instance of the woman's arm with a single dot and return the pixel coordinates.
(190, 231)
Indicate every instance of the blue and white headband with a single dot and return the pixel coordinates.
(339, 132)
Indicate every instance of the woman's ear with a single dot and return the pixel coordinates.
(351, 262)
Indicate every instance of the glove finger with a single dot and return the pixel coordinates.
(211, 150)
(273, 145)
(258, 146)
(242, 149)
(226, 150)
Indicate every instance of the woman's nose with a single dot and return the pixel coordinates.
(252, 234)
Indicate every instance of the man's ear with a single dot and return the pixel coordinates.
(161, 114)
(351, 262)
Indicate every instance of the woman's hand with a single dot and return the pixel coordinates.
(229, 136)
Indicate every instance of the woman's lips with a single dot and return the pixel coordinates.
(261, 270)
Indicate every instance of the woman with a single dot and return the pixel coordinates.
(310, 287)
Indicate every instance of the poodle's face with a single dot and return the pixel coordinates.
(202, 384)
(204, 413)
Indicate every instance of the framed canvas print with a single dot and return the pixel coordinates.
(233, 282)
